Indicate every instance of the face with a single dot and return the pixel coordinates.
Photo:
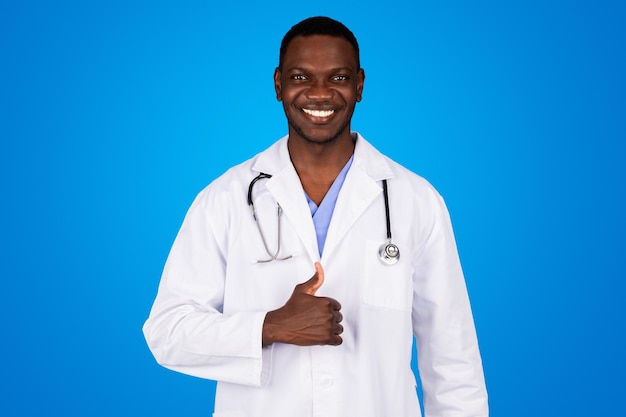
(319, 85)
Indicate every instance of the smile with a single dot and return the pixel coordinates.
(318, 113)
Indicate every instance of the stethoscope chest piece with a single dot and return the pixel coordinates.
(388, 253)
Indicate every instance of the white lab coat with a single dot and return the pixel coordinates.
(208, 315)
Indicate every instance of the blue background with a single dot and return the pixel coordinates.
(113, 115)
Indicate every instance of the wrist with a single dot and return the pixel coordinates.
(269, 330)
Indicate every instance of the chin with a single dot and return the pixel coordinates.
(319, 138)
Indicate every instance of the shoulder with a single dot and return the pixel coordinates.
(233, 183)
(380, 166)
(412, 182)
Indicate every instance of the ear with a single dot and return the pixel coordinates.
(277, 84)
(360, 80)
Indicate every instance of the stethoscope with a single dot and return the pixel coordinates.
(273, 257)
(388, 253)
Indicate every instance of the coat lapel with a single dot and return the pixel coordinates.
(286, 188)
(360, 189)
(356, 195)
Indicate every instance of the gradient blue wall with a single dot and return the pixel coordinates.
(113, 115)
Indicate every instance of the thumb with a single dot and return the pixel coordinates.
(312, 285)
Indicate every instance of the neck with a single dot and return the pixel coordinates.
(318, 164)
(321, 157)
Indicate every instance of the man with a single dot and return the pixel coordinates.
(235, 304)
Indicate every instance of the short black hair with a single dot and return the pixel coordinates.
(319, 25)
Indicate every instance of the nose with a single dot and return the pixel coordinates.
(319, 91)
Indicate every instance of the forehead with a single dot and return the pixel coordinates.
(319, 50)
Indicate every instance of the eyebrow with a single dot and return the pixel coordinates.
(304, 69)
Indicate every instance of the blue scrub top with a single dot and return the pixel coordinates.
(324, 212)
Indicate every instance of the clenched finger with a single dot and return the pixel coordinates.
(338, 317)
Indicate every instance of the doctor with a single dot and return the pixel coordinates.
(282, 287)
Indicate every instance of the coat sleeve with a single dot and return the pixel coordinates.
(186, 329)
(449, 361)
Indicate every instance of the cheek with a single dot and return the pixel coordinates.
(290, 95)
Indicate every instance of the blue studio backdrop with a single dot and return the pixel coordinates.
(113, 115)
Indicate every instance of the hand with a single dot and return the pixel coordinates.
(305, 319)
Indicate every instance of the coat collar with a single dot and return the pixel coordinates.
(371, 161)
(360, 189)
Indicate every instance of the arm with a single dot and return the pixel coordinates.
(448, 356)
(187, 330)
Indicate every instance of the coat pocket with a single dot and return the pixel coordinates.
(388, 286)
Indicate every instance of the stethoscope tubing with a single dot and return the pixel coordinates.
(387, 216)
(388, 253)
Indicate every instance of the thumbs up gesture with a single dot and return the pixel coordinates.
(305, 319)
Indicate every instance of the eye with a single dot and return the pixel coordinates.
(298, 77)
(340, 78)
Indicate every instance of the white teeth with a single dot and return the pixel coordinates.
(318, 113)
